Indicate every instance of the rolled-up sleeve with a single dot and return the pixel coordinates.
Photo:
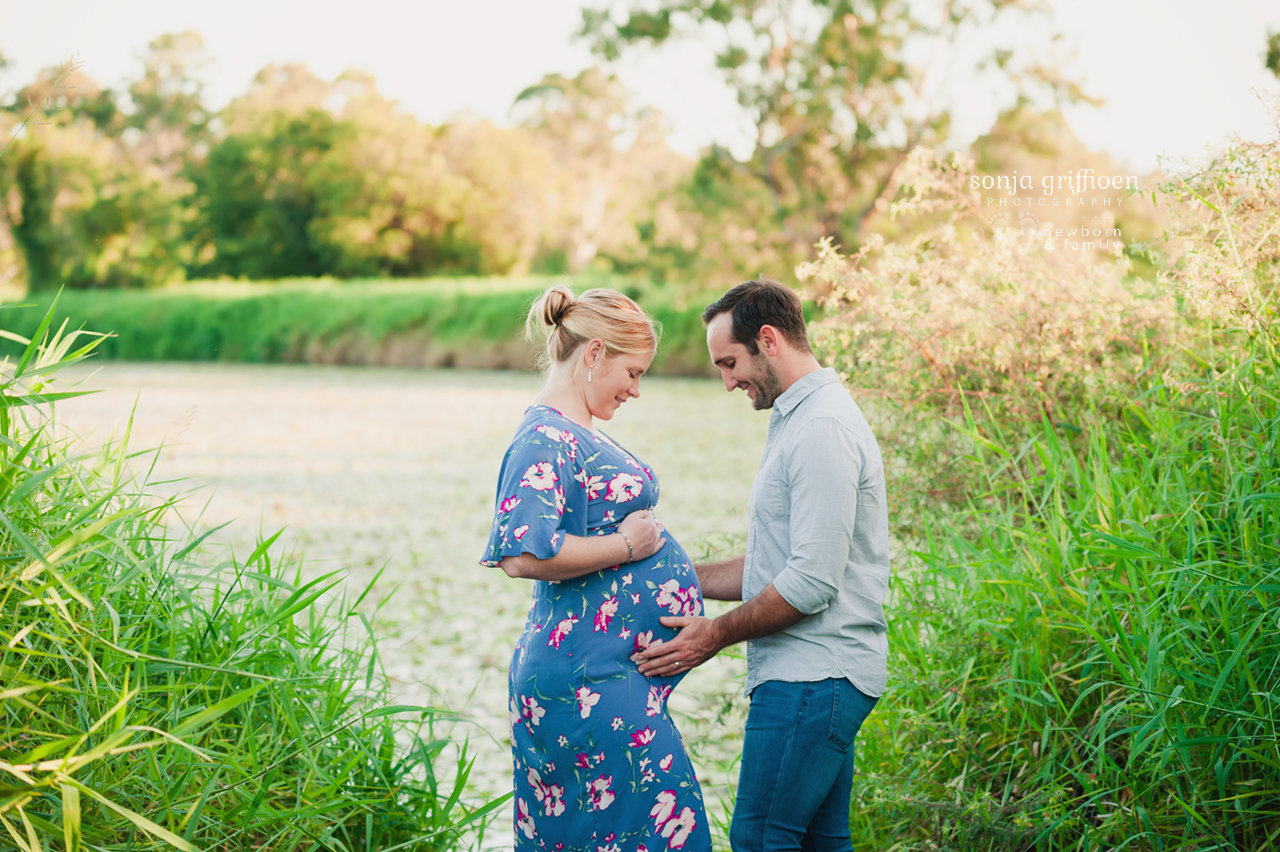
(824, 469)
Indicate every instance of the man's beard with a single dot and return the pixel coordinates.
(766, 381)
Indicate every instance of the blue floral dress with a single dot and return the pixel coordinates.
(599, 764)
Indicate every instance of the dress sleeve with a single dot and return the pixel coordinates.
(540, 496)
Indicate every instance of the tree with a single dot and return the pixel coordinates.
(402, 214)
(168, 99)
(31, 224)
(255, 199)
(505, 191)
(330, 177)
(610, 161)
(834, 94)
(68, 89)
(77, 206)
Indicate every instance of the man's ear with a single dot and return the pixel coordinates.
(768, 340)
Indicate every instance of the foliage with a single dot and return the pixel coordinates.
(81, 209)
(257, 202)
(151, 698)
(1085, 657)
(970, 315)
(1225, 254)
(610, 161)
(837, 96)
(168, 99)
(313, 177)
(367, 190)
(301, 176)
(966, 308)
(1084, 638)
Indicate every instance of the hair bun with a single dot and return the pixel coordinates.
(556, 302)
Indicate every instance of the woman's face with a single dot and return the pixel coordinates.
(614, 381)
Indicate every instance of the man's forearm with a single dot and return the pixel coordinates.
(721, 581)
(701, 638)
(763, 615)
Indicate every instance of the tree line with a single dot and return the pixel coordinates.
(146, 184)
(303, 177)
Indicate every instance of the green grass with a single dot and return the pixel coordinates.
(151, 697)
(440, 322)
(1087, 658)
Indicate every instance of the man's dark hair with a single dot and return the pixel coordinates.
(754, 304)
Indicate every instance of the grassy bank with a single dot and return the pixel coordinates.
(474, 323)
(1086, 658)
(153, 697)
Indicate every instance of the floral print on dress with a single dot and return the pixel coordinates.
(598, 762)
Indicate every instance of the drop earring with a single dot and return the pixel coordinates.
(588, 375)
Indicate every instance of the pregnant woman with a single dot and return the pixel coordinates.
(599, 764)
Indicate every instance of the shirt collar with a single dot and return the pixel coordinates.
(802, 387)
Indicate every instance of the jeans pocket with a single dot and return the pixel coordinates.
(849, 708)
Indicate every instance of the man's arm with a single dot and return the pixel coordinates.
(721, 581)
(824, 469)
(700, 638)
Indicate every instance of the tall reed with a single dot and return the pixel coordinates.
(154, 696)
(1089, 656)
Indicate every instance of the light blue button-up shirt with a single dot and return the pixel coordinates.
(819, 531)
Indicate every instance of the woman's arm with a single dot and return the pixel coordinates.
(580, 555)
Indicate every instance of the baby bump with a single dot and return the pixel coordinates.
(603, 620)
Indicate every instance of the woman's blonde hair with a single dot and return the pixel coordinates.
(568, 322)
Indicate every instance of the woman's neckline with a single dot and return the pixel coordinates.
(557, 411)
(599, 436)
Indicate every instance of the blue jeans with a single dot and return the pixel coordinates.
(797, 767)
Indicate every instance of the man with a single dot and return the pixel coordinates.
(813, 580)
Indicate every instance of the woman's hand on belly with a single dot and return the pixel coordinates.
(644, 532)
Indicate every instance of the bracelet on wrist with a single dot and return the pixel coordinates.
(631, 554)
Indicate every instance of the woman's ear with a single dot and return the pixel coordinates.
(594, 351)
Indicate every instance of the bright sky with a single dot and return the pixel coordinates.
(1177, 75)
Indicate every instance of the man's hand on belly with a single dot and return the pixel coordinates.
(700, 638)
(697, 642)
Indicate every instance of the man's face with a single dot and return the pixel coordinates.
(755, 374)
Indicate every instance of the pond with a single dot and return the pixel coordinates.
(370, 469)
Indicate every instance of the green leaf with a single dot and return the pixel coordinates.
(33, 347)
(300, 600)
(218, 710)
(196, 542)
(1127, 548)
(70, 817)
(137, 819)
(406, 708)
